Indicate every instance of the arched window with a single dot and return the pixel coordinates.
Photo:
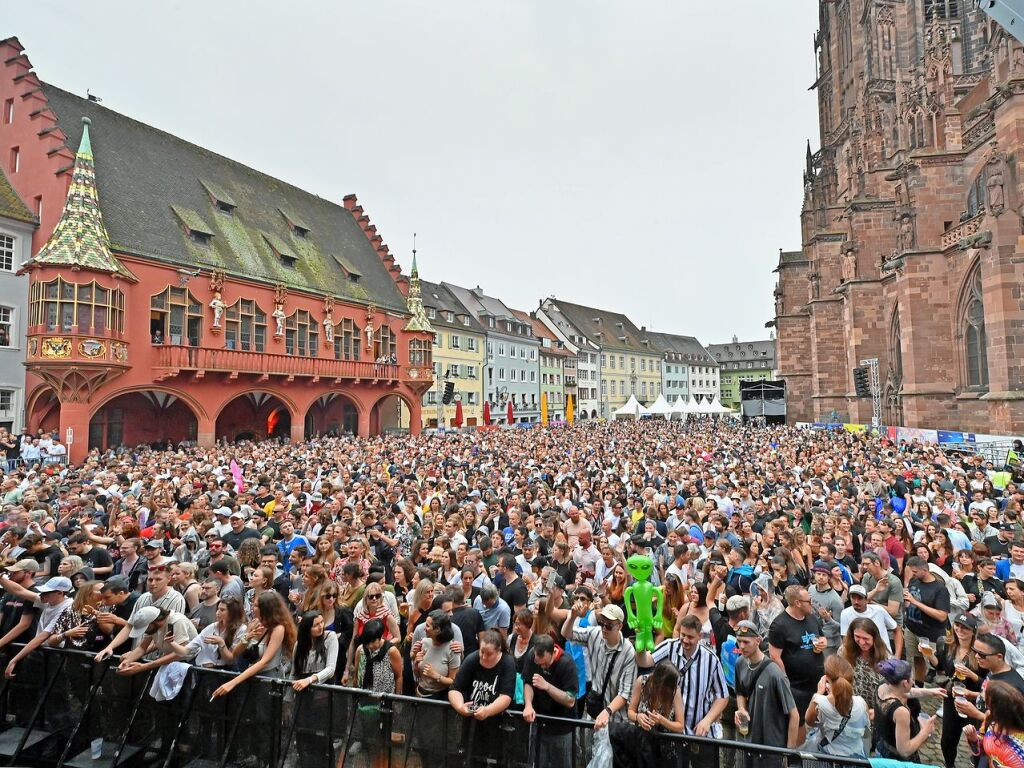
(976, 196)
(177, 316)
(420, 353)
(301, 334)
(971, 319)
(245, 326)
(896, 347)
(385, 344)
(71, 308)
(347, 340)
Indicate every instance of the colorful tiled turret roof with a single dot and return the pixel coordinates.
(418, 320)
(80, 239)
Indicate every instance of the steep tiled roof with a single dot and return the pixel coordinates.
(441, 300)
(681, 345)
(761, 352)
(156, 186)
(11, 205)
(610, 330)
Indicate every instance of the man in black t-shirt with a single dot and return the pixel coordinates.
(97, 558)
(991, 653)
(466, 618)
(514, 592)
(550, 685)
(796, 642)
(239, 532)
(927, 609)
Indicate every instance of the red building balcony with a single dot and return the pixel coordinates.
(173, 360)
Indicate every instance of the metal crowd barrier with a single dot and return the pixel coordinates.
(61, 706)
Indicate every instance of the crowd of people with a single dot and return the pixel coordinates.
(818, 588)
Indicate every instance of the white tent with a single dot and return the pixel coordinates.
(660, 407)
(701, 407)
(717, 407)
(682, 407)
(632, 408)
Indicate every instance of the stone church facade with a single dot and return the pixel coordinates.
(912, 225)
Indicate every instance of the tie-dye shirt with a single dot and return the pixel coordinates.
(1005, 750)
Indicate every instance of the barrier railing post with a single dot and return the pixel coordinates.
(276, 718)
(387, 712)
(51, 680)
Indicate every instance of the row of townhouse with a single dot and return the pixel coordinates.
(491, 353)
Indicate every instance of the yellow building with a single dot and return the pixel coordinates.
(459, 350)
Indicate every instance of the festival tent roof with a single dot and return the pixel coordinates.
(717, 407)
(660, 407)
(631, 408)
(702, 407)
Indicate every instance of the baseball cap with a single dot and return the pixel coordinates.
(238, 514)
(747, 629)
(56, 584)
(141, 620)
(26, 564)
(151, 544)
(225, 511)
(968, 620)
(612, 612)
(858, 589)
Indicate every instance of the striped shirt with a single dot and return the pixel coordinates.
(623, 672)
(701, 680)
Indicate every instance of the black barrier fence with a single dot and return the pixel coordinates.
(63, 709)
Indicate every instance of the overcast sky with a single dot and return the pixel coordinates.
(640, 156)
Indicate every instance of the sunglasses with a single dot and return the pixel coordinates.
(374, 597)
(984, 655)
(157, 568)
(603, 624)
(331, 596)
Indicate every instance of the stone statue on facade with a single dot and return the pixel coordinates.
(217, 305)
(779, 305)
(279, 318)
(329, 320)
(905, 237)
(849, 265)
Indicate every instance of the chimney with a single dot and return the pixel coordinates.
(735, 339)
(643, 329)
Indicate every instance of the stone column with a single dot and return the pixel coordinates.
(75, 417)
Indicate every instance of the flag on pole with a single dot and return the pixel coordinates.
(236, 473)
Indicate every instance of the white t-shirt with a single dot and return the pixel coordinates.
(876, 613)
(850, 741)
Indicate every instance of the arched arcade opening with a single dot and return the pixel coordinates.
(391, 414)
(332, 414)
(254, 416)
(135, 418)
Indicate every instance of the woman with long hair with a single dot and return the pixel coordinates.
(617, 583)
(864, 649)
(448, 571)
(942, 551)
(1001, 736)
(248, 555)
(419, 605)
(183, 579)
(75, 627)
(655, 706)
(900, 731)
(272, 633)
(675, 597)
(316, 652)
(698, 606)
(260, 580)
(840, 713)
(434, 663)
(1013, 608)
(314, 580)
(220, 640)
(420, 552)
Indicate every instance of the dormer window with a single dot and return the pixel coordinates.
(431, 313)
(220, 198)
(297, 226)
(465, 319)
(449, 316)
(281, 249)
(351, 273)
(195, 228)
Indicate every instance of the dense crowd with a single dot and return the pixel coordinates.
(816, 587)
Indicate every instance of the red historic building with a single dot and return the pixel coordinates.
(913, 221)
(177, 294)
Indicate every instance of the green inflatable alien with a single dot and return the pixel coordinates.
(643, 618)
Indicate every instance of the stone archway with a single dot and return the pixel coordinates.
(333, 413)
(42, 410)
(255, 415)
(148, 416)
(393, 412)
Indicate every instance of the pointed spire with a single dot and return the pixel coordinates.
(80, 240)
(418, 321)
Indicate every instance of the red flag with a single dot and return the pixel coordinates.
(511, 418)
(487, 413)
(458, 413)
